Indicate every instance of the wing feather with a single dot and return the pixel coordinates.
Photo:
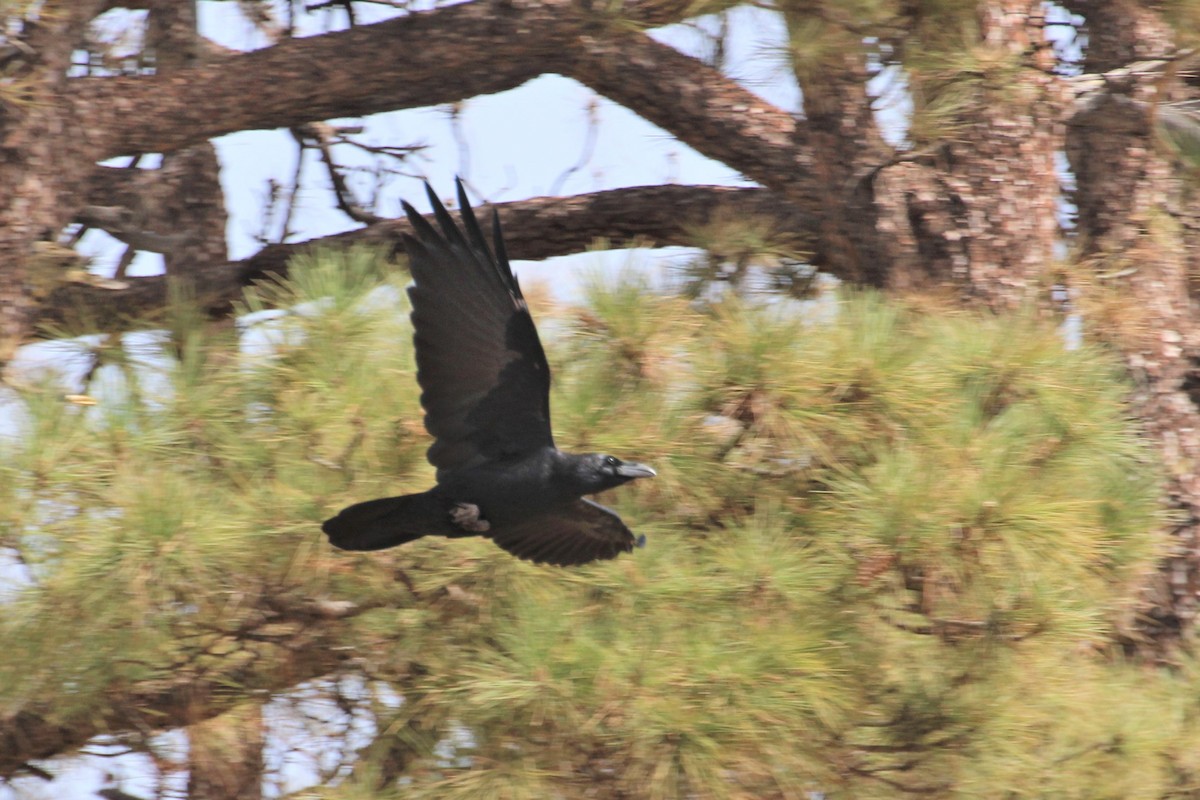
(581, 532)
(481, 367)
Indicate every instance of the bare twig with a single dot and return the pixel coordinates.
(460, 139)
(589, 146)
(285, 229)
(322, 134)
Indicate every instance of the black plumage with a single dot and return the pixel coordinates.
(486, 392)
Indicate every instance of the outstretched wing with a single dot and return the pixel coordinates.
(483, 374)
(581, 532)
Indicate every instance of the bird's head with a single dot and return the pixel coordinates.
(599, 471)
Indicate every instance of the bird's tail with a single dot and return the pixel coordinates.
(387, 522)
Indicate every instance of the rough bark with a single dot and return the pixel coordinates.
(173, 35)
(978, 212)
(846, 147)
(1138, 235)
(1006, 163)
(1119, 32)
(177, 210)
(43, 162)
(48, 165)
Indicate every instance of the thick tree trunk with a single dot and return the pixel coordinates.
(977, 213)
(1006, 161)
(44, 164)
(1141, 242)
(846, 148)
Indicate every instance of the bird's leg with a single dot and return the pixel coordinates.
(466, 516)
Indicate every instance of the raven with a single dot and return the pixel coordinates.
(485, 387)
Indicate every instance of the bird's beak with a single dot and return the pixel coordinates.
(635, 471)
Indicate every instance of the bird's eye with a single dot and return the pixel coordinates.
(610, 461)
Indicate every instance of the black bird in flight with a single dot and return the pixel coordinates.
(486, 391)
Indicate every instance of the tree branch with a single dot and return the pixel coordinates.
(700, 107)
(302, 646)
(322, 136)
(421, 59)
(40, 731)
(449, 53)
(534, 229)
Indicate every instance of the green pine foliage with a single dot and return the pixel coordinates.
(889, 552)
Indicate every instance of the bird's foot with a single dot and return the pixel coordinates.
(466, 516)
